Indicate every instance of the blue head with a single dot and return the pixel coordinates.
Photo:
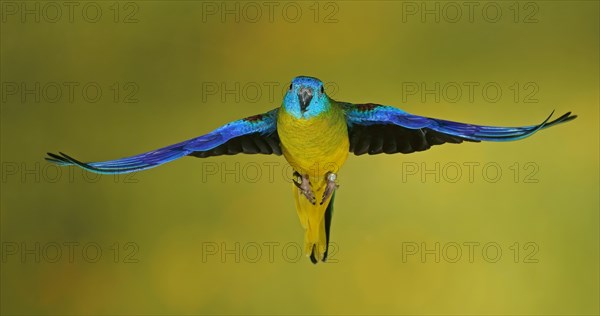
(306, 98)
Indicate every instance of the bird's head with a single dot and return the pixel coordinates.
(306, 98)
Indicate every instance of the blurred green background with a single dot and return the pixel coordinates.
(168, 236)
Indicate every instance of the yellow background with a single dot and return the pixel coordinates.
(367, 53)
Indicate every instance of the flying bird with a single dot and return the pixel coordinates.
(315, 134)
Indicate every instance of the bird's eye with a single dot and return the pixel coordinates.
(291, 86)
(322, 89)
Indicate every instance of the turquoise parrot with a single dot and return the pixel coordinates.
(315, 134)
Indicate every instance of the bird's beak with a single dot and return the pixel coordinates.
(304, 96)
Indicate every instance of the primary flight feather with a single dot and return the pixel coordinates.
(315, 134)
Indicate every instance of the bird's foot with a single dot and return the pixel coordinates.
(331, 186)
(303, 184)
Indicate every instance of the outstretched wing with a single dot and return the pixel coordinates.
(252, 135)
(376, 129)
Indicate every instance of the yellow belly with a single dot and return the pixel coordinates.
(314, 146)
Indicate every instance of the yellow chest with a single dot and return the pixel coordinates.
(314, 146)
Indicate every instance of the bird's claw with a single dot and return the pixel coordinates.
(331, 186)
(303, 184)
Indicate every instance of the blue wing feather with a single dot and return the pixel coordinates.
(370, 114)
(261, 124)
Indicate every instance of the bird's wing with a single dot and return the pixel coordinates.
(252, 135)
(375, 129)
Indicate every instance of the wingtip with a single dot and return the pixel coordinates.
(562, 119)
(55, 158)
(77, 162)
(569, 117)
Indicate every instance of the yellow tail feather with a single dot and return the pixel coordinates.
(312, 218)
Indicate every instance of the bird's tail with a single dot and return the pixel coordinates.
(316, 221)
